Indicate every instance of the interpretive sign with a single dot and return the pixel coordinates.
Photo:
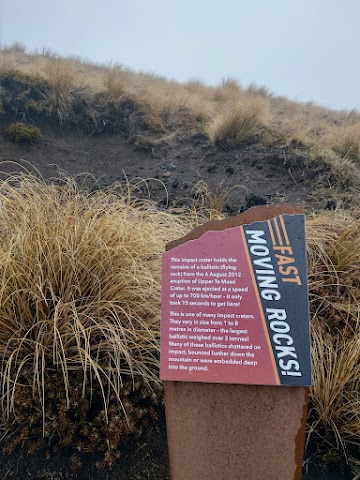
(234, 313)
(235, 306)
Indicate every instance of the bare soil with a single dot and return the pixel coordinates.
(251, 173)
(176, 167)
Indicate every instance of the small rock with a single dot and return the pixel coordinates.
(212, 168)
(253, 200)
(171, 167)
(166, 175)
(230, 208)
(199, 138)
(230, 170)
(175, 183)
(164, 201)
(331, 205)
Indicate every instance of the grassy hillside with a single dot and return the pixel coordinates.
(66, 86)
(78, 330)
(42, 91)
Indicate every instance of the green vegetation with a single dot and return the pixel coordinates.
(22, 94)
(23, 133)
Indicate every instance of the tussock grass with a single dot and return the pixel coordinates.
(240, 120)
(80, 301)
(115, 84)
(208, 205)
(346, 171)
(346, 141)
(79, 289)
(334, 273)
(227, 109)
(334, 268)
(65, 88)
(335, 394)
(231, 83)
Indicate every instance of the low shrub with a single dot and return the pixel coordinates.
(23, 133)
(22, 94)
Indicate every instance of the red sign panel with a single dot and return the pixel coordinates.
(225, 299)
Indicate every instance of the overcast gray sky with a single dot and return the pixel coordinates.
(303, 49)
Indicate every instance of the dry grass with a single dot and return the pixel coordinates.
(335, 394)
(115, 84)
(80, 295)
(208, 205)
(239, 120)
(66, 87)
(345, 141)
(225, 110)
(334, 268)
(79, 288)
(334, 273)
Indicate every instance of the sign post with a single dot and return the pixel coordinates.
(235, 347)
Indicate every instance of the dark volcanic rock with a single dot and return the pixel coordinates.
(253, 200)
(212, 168)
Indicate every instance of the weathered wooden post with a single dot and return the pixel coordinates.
(235, 347)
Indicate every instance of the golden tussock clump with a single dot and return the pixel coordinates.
(79, 288)
(345, 141)
(334, 284)
(237, 121)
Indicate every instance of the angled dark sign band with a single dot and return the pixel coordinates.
(277, 255)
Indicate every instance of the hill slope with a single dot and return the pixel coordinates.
(225, 148)
(116, 124)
